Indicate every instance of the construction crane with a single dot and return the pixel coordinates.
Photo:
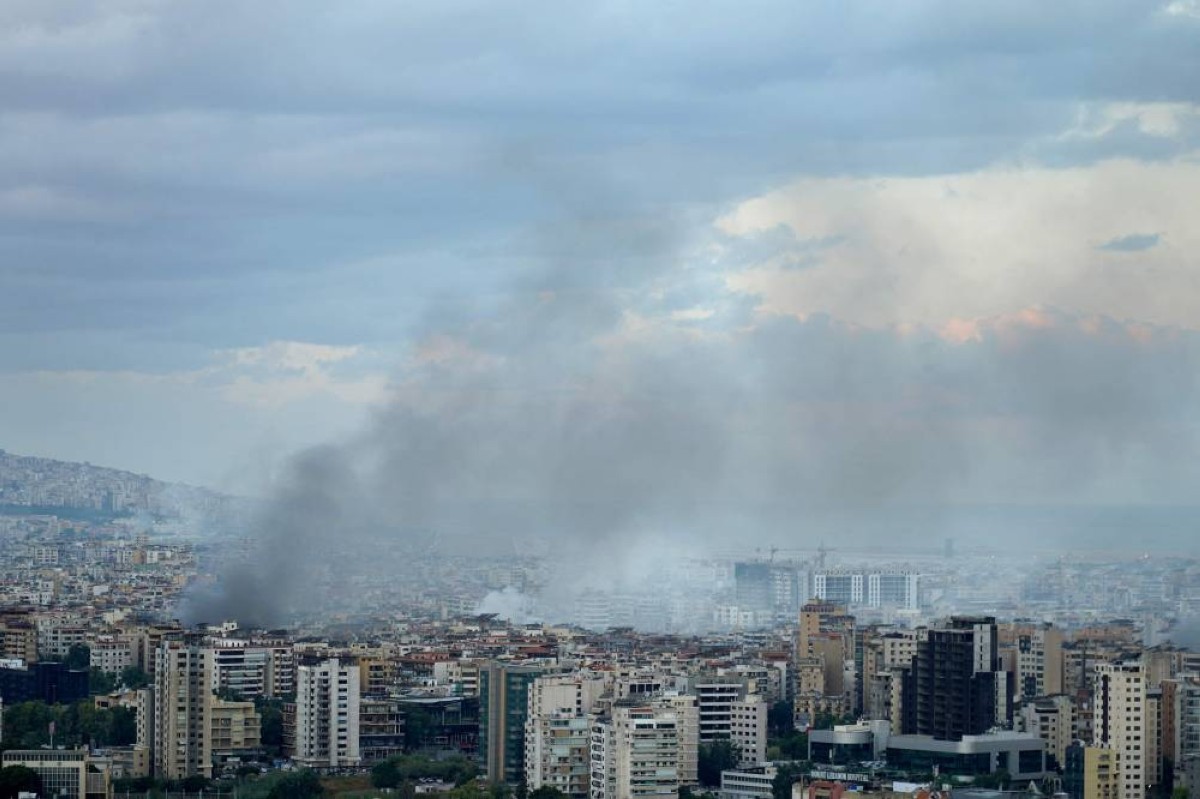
(821, 550)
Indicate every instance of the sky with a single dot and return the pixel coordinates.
(845, 253)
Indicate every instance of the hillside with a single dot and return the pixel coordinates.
(31, 484)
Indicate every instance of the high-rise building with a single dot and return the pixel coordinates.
(327, 714)
(1052, 719)
(882, 657)
(557, 732)
(752, 587)
(819, 617)
(281, 670)
(873, 589)
(1154, 737)
(183, 702)
(728, 710)
(235, 730)
(240, 671)
(1120, 723)
(1034, 653)
(1181, 719)
(748, 730)
(827, 640)
(503, 710)
(812, 700)
(556, 753)
(1101, 774)
(769, 590)
(955, 686)
(380, 728)
(637, 749)
(687, 715)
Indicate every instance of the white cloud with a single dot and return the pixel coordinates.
(290, 355)
(267, 377)
(284, 372)
(1183, 8)
(1162, 120)
(984, 244)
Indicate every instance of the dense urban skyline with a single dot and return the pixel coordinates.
(603, 400)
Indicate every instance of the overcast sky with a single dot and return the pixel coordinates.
(948, 248)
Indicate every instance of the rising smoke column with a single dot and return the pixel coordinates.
(593, 408)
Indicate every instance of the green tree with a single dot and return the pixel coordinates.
(386, 774)
(781, 785)
(122, 728)
(469, 790)
(997, 779)
(417, 726)
(824, 721)
(27, 725)
(1179, 793)
(408, 790)
(79, 656)
(546, 792)
(779, 720)
(15, 780)
(194, 784)
(297, 785)
(137, 785)
(134, 677)
(685, 792)
(101, 682)
(271, 716)
(715, 757)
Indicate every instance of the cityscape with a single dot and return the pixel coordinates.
(743, 675)
(599, 400)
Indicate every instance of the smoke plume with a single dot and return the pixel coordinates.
(624, 405)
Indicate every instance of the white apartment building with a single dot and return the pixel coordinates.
(1120, 723)
(55, 637)
(748, 730)
(636, 751)
(715, 698)
(462, 674)
(557, 732)
(183, 701)
(281, 671)
(727, 710)
(874, 589)
(1038, 661)
(687, 711)
(112, 656)
(1053, 720)
(327, 714)
(1186, 701)
(240, 669)
(557, 753)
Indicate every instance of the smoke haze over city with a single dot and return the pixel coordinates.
(609, 283)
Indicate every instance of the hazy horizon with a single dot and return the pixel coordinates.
(609, 272)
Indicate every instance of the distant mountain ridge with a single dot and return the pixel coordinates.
(44, 484)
